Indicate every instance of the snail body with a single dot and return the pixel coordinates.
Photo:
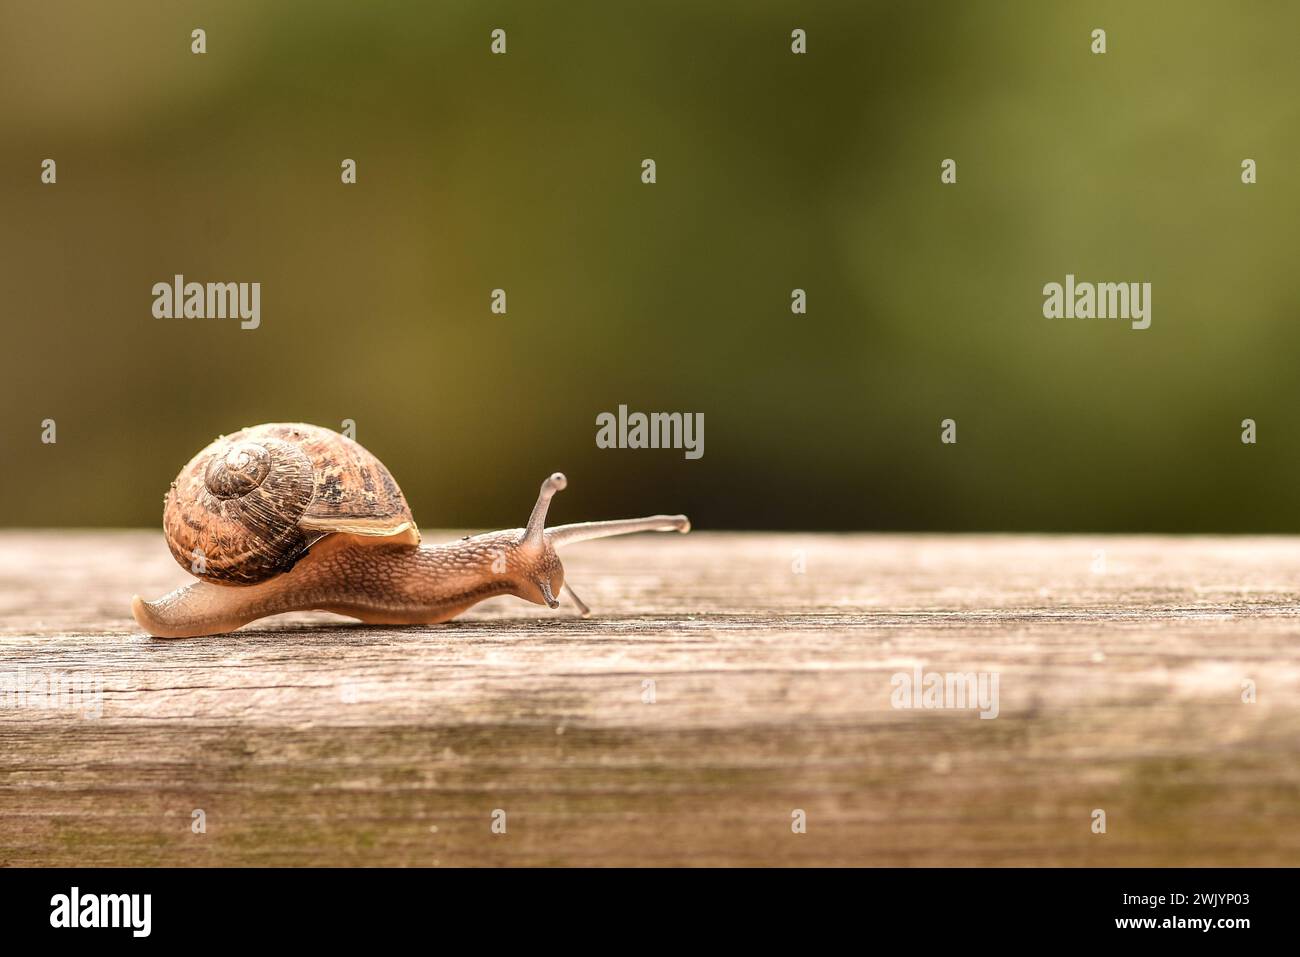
(292, 517)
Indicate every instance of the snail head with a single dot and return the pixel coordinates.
(533, 558)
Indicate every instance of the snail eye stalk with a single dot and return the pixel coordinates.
(586, 531)
(534, 531)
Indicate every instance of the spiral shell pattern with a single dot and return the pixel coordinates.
(249, 505)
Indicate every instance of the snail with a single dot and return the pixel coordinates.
(293, 517)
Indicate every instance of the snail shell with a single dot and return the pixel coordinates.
(251, 504)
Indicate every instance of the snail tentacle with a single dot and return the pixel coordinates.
(587, 531)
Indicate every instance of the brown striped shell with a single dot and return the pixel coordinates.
(250, 504)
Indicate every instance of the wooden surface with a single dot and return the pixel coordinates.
(310, 740)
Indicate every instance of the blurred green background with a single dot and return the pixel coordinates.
(775, 171)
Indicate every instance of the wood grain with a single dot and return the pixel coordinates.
(309, 740)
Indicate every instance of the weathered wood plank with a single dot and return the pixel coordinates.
(310, 741)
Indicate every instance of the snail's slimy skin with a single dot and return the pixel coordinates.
(380, 582)
(377, 583)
